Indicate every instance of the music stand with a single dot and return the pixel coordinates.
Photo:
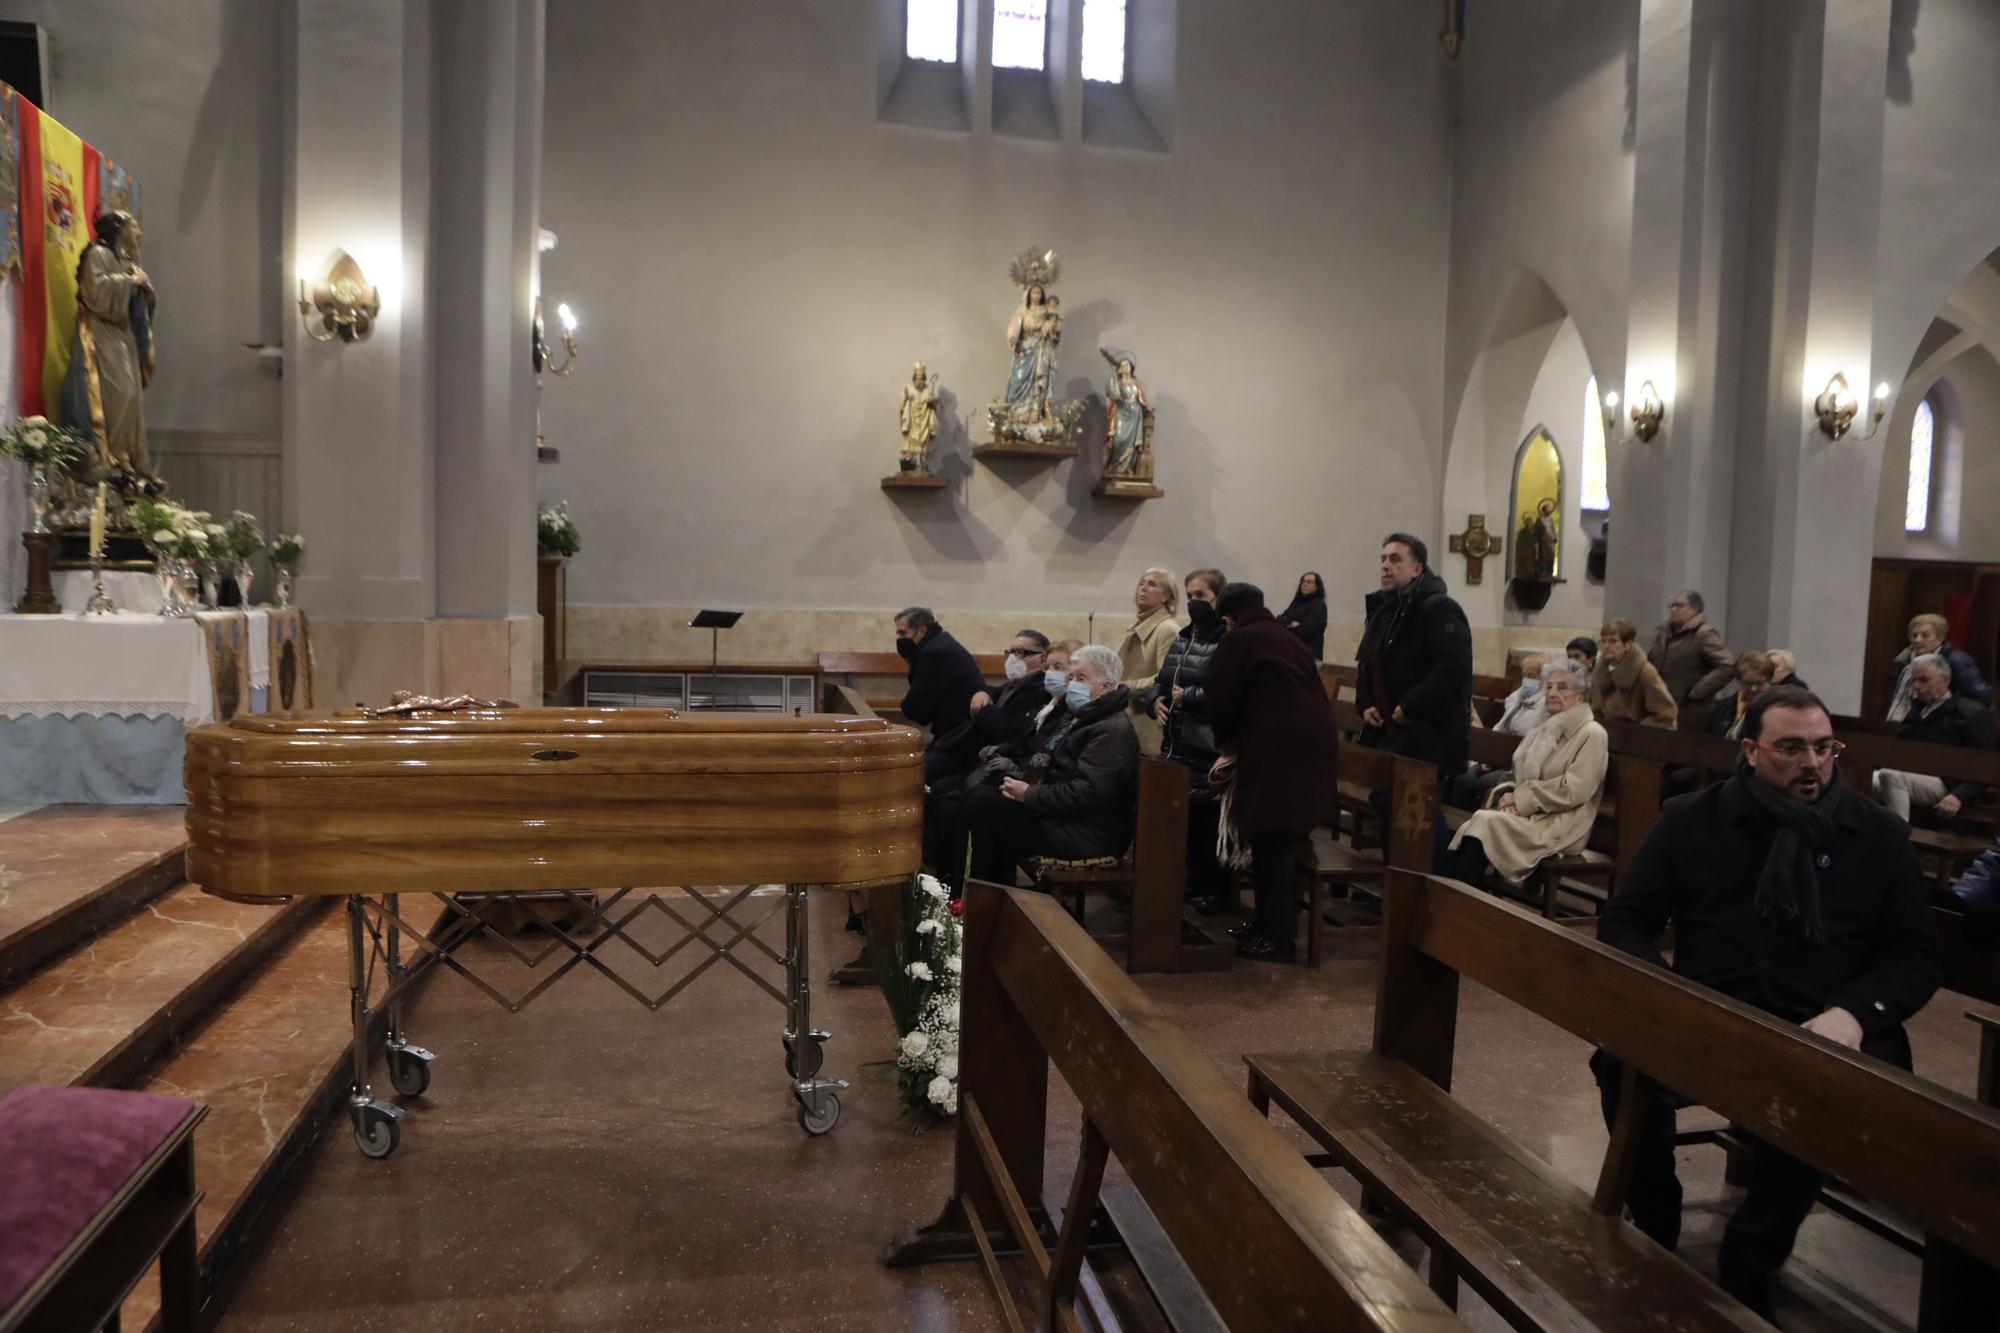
(714, 622)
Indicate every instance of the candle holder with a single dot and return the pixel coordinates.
(99, 604)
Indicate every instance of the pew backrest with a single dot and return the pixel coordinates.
(1928, 1152)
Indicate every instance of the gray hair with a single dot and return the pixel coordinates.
(1105, 664)
(1694, 601)
(1935, 661)
(1565, 666)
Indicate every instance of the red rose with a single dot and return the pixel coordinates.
(958, 907)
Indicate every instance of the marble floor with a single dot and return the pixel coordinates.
(587, 1165)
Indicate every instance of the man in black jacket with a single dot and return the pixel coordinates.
(1941, 718)
(1413, 681)
(943, 679)
(1791, 893)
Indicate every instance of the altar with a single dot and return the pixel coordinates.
(95, 710)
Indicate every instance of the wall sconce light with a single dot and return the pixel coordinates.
(1611, 415)
(540, 350)
(1835, 407)
(346, 304)
(1647, 412)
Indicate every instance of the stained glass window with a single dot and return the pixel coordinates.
(931, 30)
(1104, 41)
(1917, 494)
(1020, 33)
(1596, 467)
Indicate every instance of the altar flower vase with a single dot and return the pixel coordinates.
(178, 584)
(211, 584)
(283, 586)
(245, 576)
(39, 491)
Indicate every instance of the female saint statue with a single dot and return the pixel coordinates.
(1026, 411)
(1128, 423)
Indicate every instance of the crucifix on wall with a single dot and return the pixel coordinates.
(1475, 544)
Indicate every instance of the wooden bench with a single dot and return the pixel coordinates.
(1326, 864)
(1242, 1229)
(1542, 1251)
(94, 1186)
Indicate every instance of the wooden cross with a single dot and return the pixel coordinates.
(1475, 544)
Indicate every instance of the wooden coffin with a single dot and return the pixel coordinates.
(549, 798)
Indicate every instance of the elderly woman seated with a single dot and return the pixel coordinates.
(1067, 791)
(1547, 807)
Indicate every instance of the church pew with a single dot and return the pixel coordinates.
(1324, 863)
(1541, 1251)
(1267, 1241)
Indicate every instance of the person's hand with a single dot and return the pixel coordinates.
(1372, 716)
(1836, 1025)
(1947, 808)
(1398, 718)
(1160, 710)
(1222, 771)
(1506, 803)
(1179, 690)
(980, 700)
(1014, 789)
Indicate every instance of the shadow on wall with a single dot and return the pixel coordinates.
(1902, 88)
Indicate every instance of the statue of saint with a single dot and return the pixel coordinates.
(111, 360)
(1545, 540)
(1026, 409)
(917, 415)
(1128, 422)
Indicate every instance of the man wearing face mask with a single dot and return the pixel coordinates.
(1790, 892)
(943, 678)
(996, 720)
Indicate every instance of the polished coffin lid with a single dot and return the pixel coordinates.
(549, 798)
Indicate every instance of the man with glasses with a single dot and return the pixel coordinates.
(1010, 715)
(1790, 892)
(1690, 656)
(1937, 716)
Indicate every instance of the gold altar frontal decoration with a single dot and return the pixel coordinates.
(488, 809)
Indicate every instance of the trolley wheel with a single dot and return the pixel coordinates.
(818, 1121)
(408, 1074)
(815, 1056)
(376, 1133)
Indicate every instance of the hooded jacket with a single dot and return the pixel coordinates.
(1416, 654)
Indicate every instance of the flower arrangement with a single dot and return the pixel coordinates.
(39, 442)
(288, 550)
(242, 537)
(174, 531)
(555, 531)
(921, 983)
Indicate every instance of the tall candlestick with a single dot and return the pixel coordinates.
(97, 524)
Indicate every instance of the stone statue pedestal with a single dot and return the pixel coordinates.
(1126, 488)
(1013, 448)
(914, 481)
(40, 597)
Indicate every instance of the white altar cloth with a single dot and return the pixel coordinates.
(128, 589)
(118, 665)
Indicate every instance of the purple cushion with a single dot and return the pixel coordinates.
(64, 1152)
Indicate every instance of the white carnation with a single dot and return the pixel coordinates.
(933, 887)
(917, 1042)
(942, 1091)
(954, 964)
(163, 537)
(928, 926)
(951, 1015)
(920, 970)
(948, 1066)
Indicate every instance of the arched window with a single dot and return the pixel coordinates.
(930, 30)
(1596, 494)
(1020, 34)
(1104, 41)
(1917, 493)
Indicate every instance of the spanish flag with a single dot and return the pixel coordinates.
(59, 198)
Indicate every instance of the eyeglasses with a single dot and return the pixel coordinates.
(1795, 749)
(1023, 652)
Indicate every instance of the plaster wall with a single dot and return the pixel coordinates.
(1965, 495)
(773, 259)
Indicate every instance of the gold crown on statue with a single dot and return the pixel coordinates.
(1035, 266)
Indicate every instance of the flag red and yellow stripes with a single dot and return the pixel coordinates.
(60, 176)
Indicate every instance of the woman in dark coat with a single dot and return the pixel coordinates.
(1276, 731)
(1178, 698)
(1306, 616)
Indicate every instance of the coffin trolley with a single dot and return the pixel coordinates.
(484, 808)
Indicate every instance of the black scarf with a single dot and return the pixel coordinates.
(1788, 885)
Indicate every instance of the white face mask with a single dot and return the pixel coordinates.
(1054, 681)
(1016, 668)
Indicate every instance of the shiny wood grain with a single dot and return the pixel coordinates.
(551, 798)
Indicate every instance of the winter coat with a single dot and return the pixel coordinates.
(1698, 870)
(1270, 711)
(1632, 692)
(1966, 682)
(1310, 613)
(1190, 658)
(1693, 661)
(943, 679)
(1558, 781)
(1955, 721)
(1141, 652)
(1089, 761)
(1416, 653)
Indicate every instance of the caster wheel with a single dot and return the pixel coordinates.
(825, 1118)
(814, 1057)
(408, 1074)
(377, 1134)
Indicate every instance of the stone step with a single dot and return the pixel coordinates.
(69, 871)
(113, 1008)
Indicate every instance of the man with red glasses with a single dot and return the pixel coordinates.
(1790, 892)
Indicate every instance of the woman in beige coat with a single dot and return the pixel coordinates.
(1145, 646)
(1548, 806)
(1627, 687)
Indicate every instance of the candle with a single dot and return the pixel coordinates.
(97, 524)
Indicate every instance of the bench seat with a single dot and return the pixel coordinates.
(1525, 1238)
